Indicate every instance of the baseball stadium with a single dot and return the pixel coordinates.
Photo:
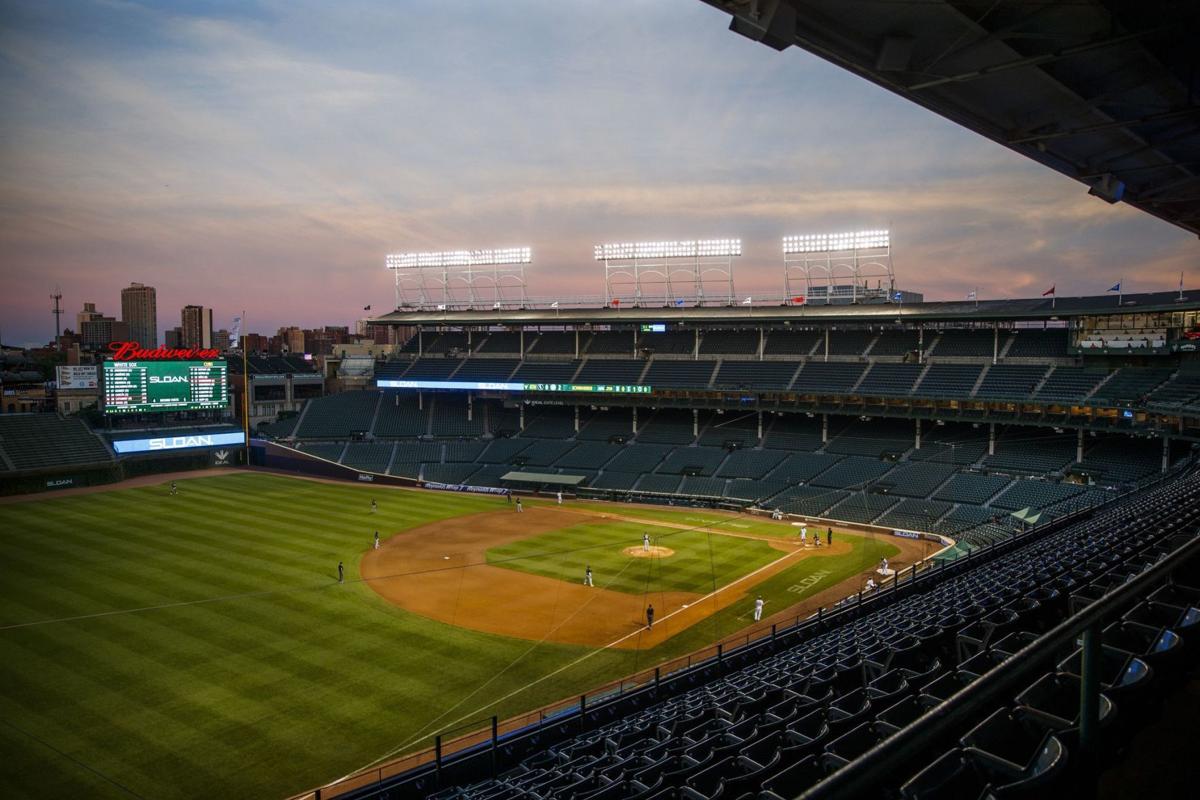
(669, 540)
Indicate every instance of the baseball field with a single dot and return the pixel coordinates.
(200, 644)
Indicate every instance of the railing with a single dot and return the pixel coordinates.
(490, 733)
(897, 755)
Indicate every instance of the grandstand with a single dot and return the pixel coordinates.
(778, 716)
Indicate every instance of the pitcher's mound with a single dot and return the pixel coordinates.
(637, 551)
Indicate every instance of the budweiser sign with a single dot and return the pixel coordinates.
(133, 351)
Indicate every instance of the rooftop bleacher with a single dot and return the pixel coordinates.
(679, 374)
(964, 343)
(1038, 344)
(735, 342)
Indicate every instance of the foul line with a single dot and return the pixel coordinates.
(563, 668)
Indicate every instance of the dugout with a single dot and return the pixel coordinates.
(535, 481)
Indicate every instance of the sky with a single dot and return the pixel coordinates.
(266, 156)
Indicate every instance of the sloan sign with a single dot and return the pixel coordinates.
(133, 351)
(178, 442)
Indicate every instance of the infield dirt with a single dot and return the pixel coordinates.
(440, 570)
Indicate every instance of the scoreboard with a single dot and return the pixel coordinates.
(132, 387)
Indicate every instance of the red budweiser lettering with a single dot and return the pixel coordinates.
(133, 351)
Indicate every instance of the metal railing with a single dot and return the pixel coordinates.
(897, 754)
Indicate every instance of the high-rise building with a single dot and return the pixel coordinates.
(100, 330)
(89, 313)
(257, 343)
(139, 309)
(292, 340)
(221, 339)
(173, 338)
(196, 328)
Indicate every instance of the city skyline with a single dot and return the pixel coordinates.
(267, 157)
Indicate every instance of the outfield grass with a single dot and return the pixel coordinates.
(698, 517)
(701, 562)
(199, 645)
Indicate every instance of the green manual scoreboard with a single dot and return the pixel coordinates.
(132, 387)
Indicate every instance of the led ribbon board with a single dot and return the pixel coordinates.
(601, 388)
(159, 443)
(132, 387)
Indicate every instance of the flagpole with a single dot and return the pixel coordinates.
(245, 390)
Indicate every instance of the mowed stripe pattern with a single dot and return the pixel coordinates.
(701, 561)
(290, 681)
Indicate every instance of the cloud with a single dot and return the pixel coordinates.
(266, 156)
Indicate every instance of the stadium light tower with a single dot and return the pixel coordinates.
(682, 272)
(829, 266)
(495, 276)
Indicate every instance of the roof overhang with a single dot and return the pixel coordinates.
(1103, 91)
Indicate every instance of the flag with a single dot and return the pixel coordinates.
(441, 307)
(554, 304)
(1116, 287)
(746, 302)
(496, 304)
(899, 298)
(972, 295)
(1180, 281)
(798, 299)
(616, 301)
(679, 302)
(235, 330)
(1050, 291)
(366, 308)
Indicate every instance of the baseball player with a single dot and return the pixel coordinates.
(758, 604)
(520, 508)
(374, 506)
(587, 576)
(870, 587)
(803, 536)
(650, 616)
(376, 540)
(341, 573)
(883, 566)
(645, 541)
(174, 489)
(829, 536)
(560, 498)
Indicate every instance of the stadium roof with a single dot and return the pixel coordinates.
(1104, 91)
(1034, 308)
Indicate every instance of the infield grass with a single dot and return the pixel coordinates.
(700, 563)
(200, 646)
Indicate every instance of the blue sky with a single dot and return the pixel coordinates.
(267, 155)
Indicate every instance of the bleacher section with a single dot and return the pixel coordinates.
(336, 416)
(611, 343)
(729, 343)
(368, 456)
(771, 721)
(895, 343)
(964, 344)
(1038, 344)
(501, 342)
(614, 371)
(556, 343)
(1129, 386)
(1010, 381)
(759, 374)
(862, 507)
(679, 374)
(972, 488)
(693, 460)
(793, 343)
(873, 438)
(948, 380)
(751, 463)
(853, 472)
(432, 369)
(1035, 494)
(849, 343)
(1069, 384)
(820, 376)
(669, 426)
(675, 343)
(38, 441)
(545, 371)
(1030, 451)
(889, 379)
(486, 369)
